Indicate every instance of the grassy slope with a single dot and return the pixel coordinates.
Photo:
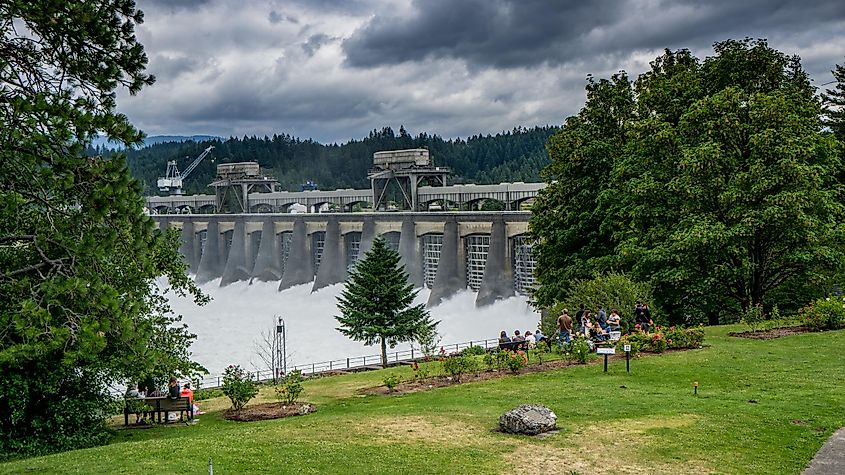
(644, 422)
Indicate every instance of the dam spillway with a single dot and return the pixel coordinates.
(486, 251)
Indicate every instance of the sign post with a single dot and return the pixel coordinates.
(606, 352)
(628, 358)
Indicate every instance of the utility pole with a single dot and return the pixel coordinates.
(281, 345)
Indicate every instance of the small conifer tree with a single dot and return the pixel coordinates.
(376, 304)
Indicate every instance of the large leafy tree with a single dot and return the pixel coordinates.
(724, 189)
(79, 308)
(567, 220)
(376, 304)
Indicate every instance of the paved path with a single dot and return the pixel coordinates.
(830, 460)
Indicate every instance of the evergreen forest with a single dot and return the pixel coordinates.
(516, 155)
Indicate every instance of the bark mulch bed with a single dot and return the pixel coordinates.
(413, 386)
(270, 410)
(771, 334)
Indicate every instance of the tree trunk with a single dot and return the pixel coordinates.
(383, 353)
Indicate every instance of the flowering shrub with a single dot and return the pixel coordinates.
(420, 372)
(516, 361)
(825, 314)
(658, 342)
(290, 388)
(662, 338)
(579, 350)
(238, 387)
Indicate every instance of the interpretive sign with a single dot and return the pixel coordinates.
(606, 351)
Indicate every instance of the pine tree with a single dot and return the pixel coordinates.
(376, 305)
(834, 102)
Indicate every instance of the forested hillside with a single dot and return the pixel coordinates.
(517, 155)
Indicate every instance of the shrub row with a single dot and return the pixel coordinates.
(663, 338)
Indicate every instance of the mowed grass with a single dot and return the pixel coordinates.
(763, 407)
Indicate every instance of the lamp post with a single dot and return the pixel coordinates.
(281, 345)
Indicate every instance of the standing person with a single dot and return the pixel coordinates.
(579, 313)
(564, 326)
(614, 320)
(638, 315)
(602, 318)
(585, 323)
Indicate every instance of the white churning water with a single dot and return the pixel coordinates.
(229, 327)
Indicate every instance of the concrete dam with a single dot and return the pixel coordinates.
(446, 252)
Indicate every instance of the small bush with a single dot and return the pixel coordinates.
(516, 360)
(825, 314)
(238, 387)
(458, 365)
(658, 342)
(420, 371)
(540, 350)
(290, 387)
(753, 317)
(490, 360)
(579, 350)
(392, 381)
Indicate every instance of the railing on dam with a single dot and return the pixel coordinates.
(356, 363)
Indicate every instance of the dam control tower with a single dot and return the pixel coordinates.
(397, 175)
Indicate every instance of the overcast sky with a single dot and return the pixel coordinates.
(334, 70)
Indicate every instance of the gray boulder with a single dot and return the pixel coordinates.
(528, 419)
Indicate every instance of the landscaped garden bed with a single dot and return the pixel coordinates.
(270, 410)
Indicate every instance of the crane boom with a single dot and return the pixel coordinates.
(197, 161)
(171, 182)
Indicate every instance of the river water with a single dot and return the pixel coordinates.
(230, 326)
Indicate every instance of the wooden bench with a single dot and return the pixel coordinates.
(514, 345)
(157, 405)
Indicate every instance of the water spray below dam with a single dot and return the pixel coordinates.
(229, 327)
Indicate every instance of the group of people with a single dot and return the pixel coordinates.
(530, 339)
(148, 389)
(598, 328)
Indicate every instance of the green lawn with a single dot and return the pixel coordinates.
(763, 407)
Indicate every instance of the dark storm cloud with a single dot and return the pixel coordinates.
(517, 33)
(336, 69)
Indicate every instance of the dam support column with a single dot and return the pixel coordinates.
(368, 235)
(497, 282)
(187, 247)
(409, 251)
(210, 266)
(298, 268)
(333, 261)
(236, 268)
(268, 267)
(448, 280)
